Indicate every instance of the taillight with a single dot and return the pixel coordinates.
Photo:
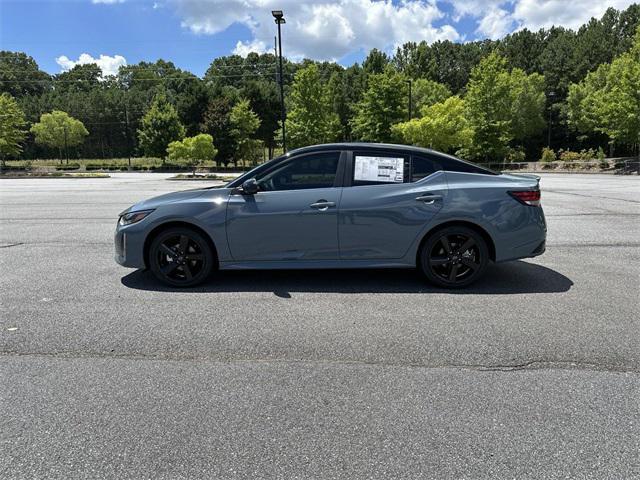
(528, 197)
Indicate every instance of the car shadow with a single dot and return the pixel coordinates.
(500, 279)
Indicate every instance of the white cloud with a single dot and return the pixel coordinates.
(475, 8)
(536, 14)
(327, 29)
(495, 24)
(107, 2)
(245, 48)
(497, 18)
(108, 65)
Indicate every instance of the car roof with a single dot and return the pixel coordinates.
(372, 146)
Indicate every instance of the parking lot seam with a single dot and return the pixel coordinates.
(525, 366)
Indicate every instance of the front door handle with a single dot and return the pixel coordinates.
(322, 205)
(428, 198)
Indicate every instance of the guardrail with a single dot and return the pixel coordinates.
(620, 167)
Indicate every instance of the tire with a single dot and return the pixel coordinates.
(181, 257)
(444, 263)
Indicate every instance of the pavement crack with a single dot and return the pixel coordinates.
(593, 244)
(540, 364)
(7, 245)
(561, 192)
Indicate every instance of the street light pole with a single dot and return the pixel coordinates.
(410, 106)
(279, 18)
(66, 148)
(551, 95)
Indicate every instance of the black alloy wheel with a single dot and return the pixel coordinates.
(454, 257)
(181, 257)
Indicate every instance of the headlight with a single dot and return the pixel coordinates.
(133, 217)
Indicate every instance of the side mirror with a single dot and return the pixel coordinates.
(250, 187)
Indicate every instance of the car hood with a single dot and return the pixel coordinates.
(165, 199)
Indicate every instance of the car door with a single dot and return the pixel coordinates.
(388, 200)
(294, 215)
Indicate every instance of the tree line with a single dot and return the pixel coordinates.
(485, 100)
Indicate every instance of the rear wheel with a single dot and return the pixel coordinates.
(454, 257)
(181, 257)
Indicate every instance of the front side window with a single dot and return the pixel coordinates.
(316, 170)
(377, 169)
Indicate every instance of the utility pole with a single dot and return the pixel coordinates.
(272, 147)
(551, 95)
(410, 107)
(279, 17)
(126, 117)
(66, 149)
(275, 54)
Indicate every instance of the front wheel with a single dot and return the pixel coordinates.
(454, 257)
(181, 257)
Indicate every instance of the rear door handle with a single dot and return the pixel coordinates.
(428, 198)
(322, 205)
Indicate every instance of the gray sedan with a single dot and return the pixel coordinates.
(350, 205)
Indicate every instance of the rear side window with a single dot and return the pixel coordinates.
(372, 168)
(452, 165)
(421, 167)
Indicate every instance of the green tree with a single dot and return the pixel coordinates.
(159, 127)
(264, 98)
(523, 48)
(20, 75)
(59, 130)
(194, 151)
(527, 104)
(216, 122)
(376, 62)
(445, 62)
(12, 125)
(608, 100)
(383, 104)
(310, 119)
(502, 106)
(426, 92)
(345, 90)
(83, 78)
(244, 123)
(443, 127)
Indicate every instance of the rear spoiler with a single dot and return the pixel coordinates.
(528, 175)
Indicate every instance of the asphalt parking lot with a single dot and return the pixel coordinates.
(532, 373)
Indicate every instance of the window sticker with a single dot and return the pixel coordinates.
(379, 169)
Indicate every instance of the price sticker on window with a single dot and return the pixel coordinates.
(379, 169)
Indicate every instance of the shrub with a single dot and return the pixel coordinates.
(588, 154)
(548, 155)
(68, 166)
(193, 151)
(569, 156)
(515, 156)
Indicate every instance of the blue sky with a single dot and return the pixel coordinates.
(191, 33)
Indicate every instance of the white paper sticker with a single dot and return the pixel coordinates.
(379, 169)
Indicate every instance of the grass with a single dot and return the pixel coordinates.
(208, 176)
(137, 163)
(54, 175)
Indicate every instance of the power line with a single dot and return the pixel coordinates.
(156, 71)
(57, 80)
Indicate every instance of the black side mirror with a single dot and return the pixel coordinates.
(250, 187)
